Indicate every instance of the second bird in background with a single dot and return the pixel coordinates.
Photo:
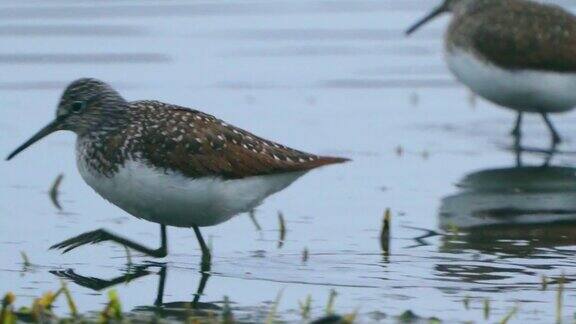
(518, 54)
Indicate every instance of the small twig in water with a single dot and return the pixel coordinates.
(282, 229)
(305, 307)
(54, 191)
(466, 302)
(272, 315)
(425, 155)
(69, 300)
(227, 314)
(486, 309)
(385, 232)
(560, 298)
(331, 300)
(25, 260)
(305, 255)
(128, 257)
(510, 314)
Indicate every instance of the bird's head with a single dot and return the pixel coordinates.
(86, 105)
(454, 6)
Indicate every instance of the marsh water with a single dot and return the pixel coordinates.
(470, 223)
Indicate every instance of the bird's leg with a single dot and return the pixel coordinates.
(517, 129)
(102, 235)
(205, 266)
(202, 285)
(518, 153)
(549, 156)
(206, 256)
(555, 137)
(161, 285)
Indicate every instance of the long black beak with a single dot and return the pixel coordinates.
(47, 130)
(435, 13)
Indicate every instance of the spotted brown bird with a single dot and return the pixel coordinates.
(168, 164)
(518, 54)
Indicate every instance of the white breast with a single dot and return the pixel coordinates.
(522, 90)
(170, 198)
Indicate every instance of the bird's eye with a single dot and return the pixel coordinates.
(77, 106)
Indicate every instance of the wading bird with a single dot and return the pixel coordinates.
(168, 164)
(518, 54)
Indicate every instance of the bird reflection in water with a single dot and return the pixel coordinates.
(537, 204)
(179, 309)
(508, 213)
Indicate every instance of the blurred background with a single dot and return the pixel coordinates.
(469, 222)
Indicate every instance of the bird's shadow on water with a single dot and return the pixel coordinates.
(178, 309)
(501, 218)
(548, 153)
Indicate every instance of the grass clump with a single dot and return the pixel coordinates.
(273, 312)
(113, 309)
(7, 312)
(330, 304)
(305, 307)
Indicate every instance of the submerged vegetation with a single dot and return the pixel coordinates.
(42, 308)
(42, 311)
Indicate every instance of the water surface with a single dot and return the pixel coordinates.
(330, 77)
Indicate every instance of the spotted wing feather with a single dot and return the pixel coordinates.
(530, 36)
(198, 144)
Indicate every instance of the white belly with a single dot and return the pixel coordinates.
(172, 199)
(527, 90)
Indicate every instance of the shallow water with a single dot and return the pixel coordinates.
(330, 77)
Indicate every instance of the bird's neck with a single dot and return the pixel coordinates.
(103, 151)
(103, 122)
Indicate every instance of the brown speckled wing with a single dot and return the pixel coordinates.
(528, 36)
(197, 145)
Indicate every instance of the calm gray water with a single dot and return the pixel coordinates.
(331, 77)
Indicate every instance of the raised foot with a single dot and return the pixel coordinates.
(92, 237)
(102, 235)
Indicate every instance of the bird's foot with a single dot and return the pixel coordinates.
(102, 235)
(91, 237)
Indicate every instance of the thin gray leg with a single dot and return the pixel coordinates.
(205, 251)
(102, 235)
(555, 136)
